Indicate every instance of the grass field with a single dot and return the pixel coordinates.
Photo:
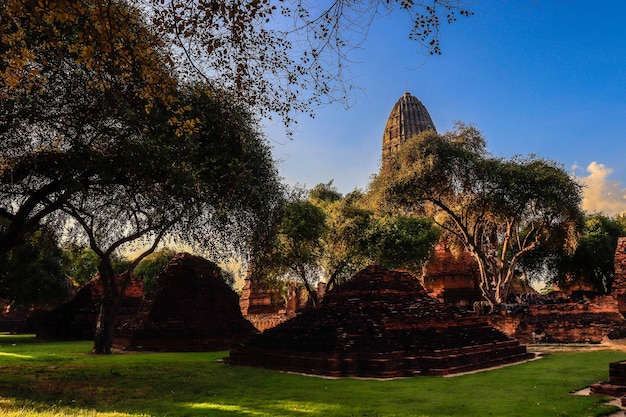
(62, 379)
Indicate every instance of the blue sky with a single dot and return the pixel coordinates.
(544, 77)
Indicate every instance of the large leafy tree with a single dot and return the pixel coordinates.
(81, 86)
(101, 139)
(358, 236)
(76, 76)
(498, 209)
(212, 185)
(298, 246)
(80, 263)
(329, 237)
(149, 268)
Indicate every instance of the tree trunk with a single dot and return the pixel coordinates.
(332, 281)
(112, 298)
(312, 294)
(483, 281)
(109, 309)
(104, 327)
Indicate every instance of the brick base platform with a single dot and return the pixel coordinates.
(381, 324)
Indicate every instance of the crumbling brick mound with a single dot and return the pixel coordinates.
(191, 308)
(76, 319)
(381, 324)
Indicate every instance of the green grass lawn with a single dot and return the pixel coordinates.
(62, 379)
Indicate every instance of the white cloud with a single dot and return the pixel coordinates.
(600, 194)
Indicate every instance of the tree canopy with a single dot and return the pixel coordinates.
(590, 265)
(498, 209)
(99, 138)
(77, 77)
(285, 57)
(328, 237)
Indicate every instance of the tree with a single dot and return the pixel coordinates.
(345, 243)
(357, 236)
(285, 57)
(149, 268)
(101, 139)
(298, 246)
(212, 185)
(72, 74)
(400, 241)
(81, 263)
(82, 85)
(32, 273)
(591, 264)
(330, 237)
(498, 209)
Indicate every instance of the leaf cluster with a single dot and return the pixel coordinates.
(97, 132)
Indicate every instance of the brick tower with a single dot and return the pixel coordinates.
(407, 118)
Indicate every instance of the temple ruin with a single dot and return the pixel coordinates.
(191, 308)
(408, 118)
(381, 324)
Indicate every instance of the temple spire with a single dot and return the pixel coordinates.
(407, 118)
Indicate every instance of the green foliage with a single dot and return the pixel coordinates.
(332, 237)
(397, 241)
(96, 128)
(303, 225)
(346, 243)
(150, 266)
(61, 379)
(32, 273)
(499, 210)
(591, 264)
(325, 193)
(621, 220)
(81, 263)
(298, 246)
(357, 237)
(69, 90)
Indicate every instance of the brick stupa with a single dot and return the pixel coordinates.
(190, 309)
(381, 324)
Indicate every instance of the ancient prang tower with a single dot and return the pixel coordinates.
(407, 118)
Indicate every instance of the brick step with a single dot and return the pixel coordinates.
(608, 389)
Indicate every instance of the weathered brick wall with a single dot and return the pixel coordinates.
(587, 322)
(381, 324)
(619, 283)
